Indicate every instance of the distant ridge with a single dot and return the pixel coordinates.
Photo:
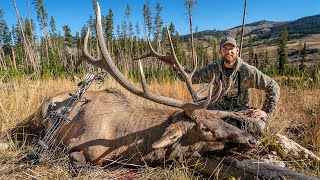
(264, 29)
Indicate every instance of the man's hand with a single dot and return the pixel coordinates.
(257, 113)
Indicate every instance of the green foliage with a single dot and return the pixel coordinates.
(52, 26)
(251, 52)
(147, 19)
(42, 15)
(203, 58)
(109, 26)
(303, 54)
(67, 35)
(158, 22)
(54, 68)
(282, 51)
(30, 28)
(5, 38)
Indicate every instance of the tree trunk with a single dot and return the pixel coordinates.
(245, 169)
(14, 59)
(26, 43)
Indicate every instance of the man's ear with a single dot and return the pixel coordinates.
(238, 51)
(172, 134)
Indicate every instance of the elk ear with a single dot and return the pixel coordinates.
(171, 135)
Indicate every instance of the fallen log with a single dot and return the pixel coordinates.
(244, 169)
(289, 149)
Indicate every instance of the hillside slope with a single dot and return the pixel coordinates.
(265, 34)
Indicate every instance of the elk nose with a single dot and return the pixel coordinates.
(252, 143)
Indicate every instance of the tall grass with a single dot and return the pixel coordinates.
(297, 116)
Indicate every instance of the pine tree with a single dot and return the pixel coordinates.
(282, 51)
(129, 28)
(109, 29)
(215, 51)
(118, 31)
(302, 66)
(158, 22)
(30, 29)
(67, 35)
(138, 31)
(135, 47)
(251, 52)
(78, 41)
(255, 60)
(265, 59)
(92, 26)
(42, 17)
(5, 40)
(147, 19)
(53, 26)
(175, 41)
(17, 35)
(164, 38)
(300, 46)
(123, 36)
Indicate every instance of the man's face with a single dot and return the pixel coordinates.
(229, 54)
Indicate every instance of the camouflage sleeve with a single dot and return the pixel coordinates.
(271, 89)
(200, 76)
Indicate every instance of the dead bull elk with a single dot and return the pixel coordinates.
(109, 127)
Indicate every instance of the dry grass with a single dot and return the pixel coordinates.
(297, 116)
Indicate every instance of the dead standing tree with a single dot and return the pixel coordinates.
(30, 53)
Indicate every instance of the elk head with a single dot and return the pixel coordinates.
(211, 127)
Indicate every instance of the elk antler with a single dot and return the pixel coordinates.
(172, 59)
(107, 64)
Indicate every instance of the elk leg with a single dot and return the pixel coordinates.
(77, 162)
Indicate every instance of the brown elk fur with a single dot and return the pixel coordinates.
(109, 127)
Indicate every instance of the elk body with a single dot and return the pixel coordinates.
(109, 127)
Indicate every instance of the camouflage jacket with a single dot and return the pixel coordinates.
(243, 75)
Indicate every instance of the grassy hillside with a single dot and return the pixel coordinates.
(265, 33)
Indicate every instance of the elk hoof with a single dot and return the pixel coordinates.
(77, 163)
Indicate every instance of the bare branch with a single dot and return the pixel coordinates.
(164, 58)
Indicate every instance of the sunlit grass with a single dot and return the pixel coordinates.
(297, 116)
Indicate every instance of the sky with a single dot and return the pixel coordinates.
(207, 14)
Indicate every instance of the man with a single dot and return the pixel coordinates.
(243, 77)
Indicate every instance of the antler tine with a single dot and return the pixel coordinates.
(166, 59)
(107, 64)
(143, 79)
(207, 86)
(187, 76)
(211, 98)
(87, 56)
(217, 94)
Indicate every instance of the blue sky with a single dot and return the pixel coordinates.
(207, 15)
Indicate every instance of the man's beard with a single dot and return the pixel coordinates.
(226, 60)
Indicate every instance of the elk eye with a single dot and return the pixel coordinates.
(204, 128)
